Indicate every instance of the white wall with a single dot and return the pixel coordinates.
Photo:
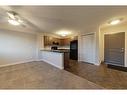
(112, 29)
(16, 47)
(79, 47)
(40, 45)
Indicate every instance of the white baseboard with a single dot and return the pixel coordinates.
(51, 64)
(20, 62)
(37, 60)
(90, 63)
(26, 61)
(97, 64)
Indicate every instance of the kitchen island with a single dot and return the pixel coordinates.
(57, 58)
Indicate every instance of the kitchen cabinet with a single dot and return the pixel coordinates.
(66, 41)
(49, 41)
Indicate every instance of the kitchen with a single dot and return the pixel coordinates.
(58, 51)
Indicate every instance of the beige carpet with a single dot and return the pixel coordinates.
(40, 75)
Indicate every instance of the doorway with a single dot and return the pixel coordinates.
(114, 49)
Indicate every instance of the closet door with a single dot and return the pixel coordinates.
(88, 48)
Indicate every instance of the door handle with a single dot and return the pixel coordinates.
(122, 49)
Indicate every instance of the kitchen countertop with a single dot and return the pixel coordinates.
(59, 51)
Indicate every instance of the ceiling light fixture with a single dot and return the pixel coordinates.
(14, 22)
(64, 33)
(11, 15)
(13, 18)
(114, 22)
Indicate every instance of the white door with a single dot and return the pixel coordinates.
(88, 48)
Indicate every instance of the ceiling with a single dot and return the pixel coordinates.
(51, 19)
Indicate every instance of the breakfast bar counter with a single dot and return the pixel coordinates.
(57, 58)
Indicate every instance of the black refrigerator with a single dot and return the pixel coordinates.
(74, 50)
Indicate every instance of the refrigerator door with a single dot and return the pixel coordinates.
(74, 50)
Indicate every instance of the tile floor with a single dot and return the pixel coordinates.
(101, 75)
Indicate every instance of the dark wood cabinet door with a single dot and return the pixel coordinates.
(45, 40)
(48, 40)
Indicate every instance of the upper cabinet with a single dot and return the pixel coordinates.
(67, 41)
(49, 40)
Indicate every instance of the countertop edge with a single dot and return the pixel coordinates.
(57, 51)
